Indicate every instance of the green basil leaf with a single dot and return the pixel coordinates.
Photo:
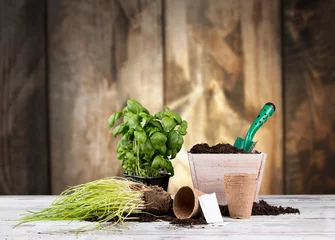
(168, 124)
(173, 115)
(156, 124)
(150, 130)
(163, 149)
(160, 115)
(183, 127)
(134, 106)
(147, 149)
(145, 110)
(125, 139)
(158, 162)
(158, 139)
(172, 139)
(125, 110)
(120, 129)
(113, 118)
(174, 153)
(180, 143)
(120, 155)
(130, 156)
(146, 118)
(123, 146)
(133, 121)
(140, 136)
(126, 117)
(169, 167)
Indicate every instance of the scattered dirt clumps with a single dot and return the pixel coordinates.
(218, 148)
(189, 222)
(263, 208)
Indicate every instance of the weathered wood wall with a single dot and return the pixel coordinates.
(67, 65)
(23, 100)
(222, 65)
(99, 57)
(309, 83)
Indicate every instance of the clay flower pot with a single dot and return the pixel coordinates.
(186, 202)
(240, 191)
(208, 170)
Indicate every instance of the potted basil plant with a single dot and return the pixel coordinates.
(148, 143)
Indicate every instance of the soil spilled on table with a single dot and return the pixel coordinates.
(218, 148)
(263, 208)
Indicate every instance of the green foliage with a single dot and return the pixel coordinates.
(149, 142)
(105, 200)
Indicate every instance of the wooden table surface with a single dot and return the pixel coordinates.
(316, 221)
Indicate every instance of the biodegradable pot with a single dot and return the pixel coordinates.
(162, 181)
(186, 202)
(208, 170)
(240, 191)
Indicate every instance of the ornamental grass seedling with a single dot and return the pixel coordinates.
(104, 200)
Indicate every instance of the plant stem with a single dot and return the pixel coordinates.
(138, 161)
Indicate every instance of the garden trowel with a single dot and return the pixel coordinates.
(247, 144)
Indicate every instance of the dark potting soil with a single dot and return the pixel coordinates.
(218, 148)
(263, 208)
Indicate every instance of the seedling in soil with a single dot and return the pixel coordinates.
(104, 200)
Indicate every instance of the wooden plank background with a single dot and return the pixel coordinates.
(67, 65)
(99, 57)
(225, 65)
(309, 82)
(24, 160)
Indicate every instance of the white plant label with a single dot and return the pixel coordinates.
(210, 208)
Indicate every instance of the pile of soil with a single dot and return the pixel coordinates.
(218, 148)
(263, 208)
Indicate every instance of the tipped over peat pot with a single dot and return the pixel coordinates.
(186, 203)
(162, 181)
(209, 167)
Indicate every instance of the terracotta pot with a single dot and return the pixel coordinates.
(208, 170)
(240, 190)
(186, 202)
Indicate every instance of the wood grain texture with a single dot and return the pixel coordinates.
(309, 59)
(222, 65)
(23, 106)
(98, 59)
(316, 221)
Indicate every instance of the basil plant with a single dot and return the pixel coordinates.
(149, 142)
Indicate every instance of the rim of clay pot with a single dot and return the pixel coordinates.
(240, 178)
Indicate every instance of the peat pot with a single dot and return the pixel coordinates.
(208, 170)
(162, 181)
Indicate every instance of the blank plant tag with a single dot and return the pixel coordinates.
(210, 208)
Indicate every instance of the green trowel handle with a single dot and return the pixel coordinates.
(266, 112)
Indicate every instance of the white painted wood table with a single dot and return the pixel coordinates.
(316, 221)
